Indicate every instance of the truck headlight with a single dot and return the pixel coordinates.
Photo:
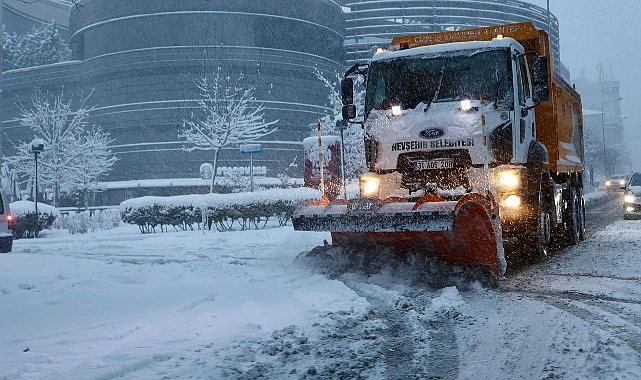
(512, 201)
(466, 105)
(629, 198)
(507, 180)
(370, 184)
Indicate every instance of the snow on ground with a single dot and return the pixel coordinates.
(77, 306)
(237, 304)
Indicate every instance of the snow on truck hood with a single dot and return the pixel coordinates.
(442, 126)
(445, 115)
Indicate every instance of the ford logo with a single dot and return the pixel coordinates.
(432, 133)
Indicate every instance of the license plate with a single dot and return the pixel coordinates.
(362, 205)
(439, 163)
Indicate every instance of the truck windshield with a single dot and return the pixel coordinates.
(408, 81)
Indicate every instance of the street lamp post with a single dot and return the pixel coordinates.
(605, 157)
(341, 125)
(37, 146)
(251, 149)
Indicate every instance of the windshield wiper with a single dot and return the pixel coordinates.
(438, 88)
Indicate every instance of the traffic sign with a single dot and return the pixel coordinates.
(251, 148)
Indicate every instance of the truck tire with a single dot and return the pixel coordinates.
(536, 230)
(582, 231)
(538, 240)
(574, 221)
(529, 239)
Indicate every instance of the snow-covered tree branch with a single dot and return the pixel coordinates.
(76, 153)
(42, 46)
(228, 114)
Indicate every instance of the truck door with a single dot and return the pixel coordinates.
(523, 109)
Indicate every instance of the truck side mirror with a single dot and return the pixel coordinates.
(347, 91)
(541, 89)
(349, 112)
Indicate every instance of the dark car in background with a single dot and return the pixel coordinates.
(6, 223)
(632, 197)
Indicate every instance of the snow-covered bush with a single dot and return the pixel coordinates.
(42, 46)
(85, 221)
(24, 213)
(248, 210)
(234, 182)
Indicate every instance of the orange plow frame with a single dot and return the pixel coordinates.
(466, 232)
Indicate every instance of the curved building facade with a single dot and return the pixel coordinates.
(141, 60)
(372, 23)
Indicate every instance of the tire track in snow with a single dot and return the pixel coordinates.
(599, 214)
(418, 343)
(611, 313)
(628, 333)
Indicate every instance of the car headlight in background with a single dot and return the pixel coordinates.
(370, 184)
(622, 182)
(608, 183)
(629, 198)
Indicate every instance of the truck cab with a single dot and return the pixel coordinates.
(442, 118)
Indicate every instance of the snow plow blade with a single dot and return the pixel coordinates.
(465, 232)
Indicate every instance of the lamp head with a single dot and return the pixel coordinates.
(37, 146)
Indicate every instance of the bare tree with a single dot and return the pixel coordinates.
(95, 161)
(229, 114)
(593, 152)
(76, 151)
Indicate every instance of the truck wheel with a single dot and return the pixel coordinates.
(533, 232)
(537, 228)
(539, 241)
(573, 219)
(582, 232)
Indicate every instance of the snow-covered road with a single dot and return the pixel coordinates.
(175, 305)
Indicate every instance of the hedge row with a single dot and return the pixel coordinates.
(222, 211)
(24, 214)
(24, 226)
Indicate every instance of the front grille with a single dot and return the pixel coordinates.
(446, 179)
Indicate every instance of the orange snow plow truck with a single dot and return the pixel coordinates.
(474, 151)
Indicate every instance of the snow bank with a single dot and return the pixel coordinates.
(20, 208)
(292, 195)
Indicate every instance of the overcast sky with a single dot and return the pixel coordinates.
(607, 32)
